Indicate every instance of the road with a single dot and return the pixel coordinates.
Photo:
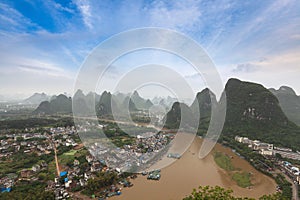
(56, 160)
(51, 142)
(294, 187)
(295, 191)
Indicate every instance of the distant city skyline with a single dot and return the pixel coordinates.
(44, 43)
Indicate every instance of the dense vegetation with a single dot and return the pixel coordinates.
(212, 193)
(285, 186)
(102, 180)
(60, 104)
(289, 102)
(223, 161)
(203, 103)
(20, 161)
(243, 179)
(25, 191)
(35, 122)
(261, 164)
(180, 116)
(252, 111)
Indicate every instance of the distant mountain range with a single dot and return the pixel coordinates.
(252, 110)
(36, 98)
(60, 104)
(84, 104)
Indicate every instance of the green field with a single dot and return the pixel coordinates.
(70, 153)
(243, 179)
(223, 161)
(67, 158)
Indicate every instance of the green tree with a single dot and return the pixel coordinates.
(217, 192)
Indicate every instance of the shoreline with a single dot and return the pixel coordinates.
(189, 172)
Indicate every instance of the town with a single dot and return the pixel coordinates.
(57, 158)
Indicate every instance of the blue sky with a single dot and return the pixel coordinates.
(43, 42)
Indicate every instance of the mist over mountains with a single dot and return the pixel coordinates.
(103, 103)
(252, 110)
(36, 98)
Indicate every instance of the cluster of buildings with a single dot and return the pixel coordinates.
(32, 142)
(153, 143)
(268, 149)
(73, 177)
(25, 142)
(62, 136)
(77, 174)
(28, 174)
(141, 153)
(7, 182)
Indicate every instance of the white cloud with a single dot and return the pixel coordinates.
(61, 8)
(85, 9)
(181, 15)
(273, 71)
(246, 67)
(235, 33)
(32, 75)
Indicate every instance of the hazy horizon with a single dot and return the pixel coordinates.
(44, 44)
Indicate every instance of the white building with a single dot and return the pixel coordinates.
(266, 152)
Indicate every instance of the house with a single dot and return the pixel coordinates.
(67, 183)
(26, 173)
(82, 183)
(96, 166)
(266, 152)
(4, 142)
(87, 175)
(89, 158)
(36, 168)
(238, 139)
(23, 143)
(76, 162)
(44, 164)
(259, 145)
(244, 140)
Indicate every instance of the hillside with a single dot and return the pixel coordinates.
(180, 116)
(252, 111)
(203, 103)
(289, 102)
(36, 98)
(128, 104)
(140, 103)
(60, 104)
(84, 104)
(105, 104)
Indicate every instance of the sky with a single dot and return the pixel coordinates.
(45, 42)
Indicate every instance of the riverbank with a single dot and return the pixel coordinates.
(179, 178)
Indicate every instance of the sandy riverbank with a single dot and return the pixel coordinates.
(179, 178)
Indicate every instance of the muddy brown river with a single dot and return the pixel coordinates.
(179, 178)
